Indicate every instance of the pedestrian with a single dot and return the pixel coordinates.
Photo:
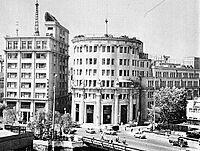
(102, 138)
(131, 129)
(125, 128)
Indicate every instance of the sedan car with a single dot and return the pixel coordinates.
(110, 131)
(90, 130)
(139, 134)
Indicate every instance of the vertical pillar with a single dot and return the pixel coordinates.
(73, 108)
(98, 107)
(131, 106)
(82, 107)
(116, 118)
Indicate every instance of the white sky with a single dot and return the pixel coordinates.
(172, 28)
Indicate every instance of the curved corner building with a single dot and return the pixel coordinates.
(106, 79)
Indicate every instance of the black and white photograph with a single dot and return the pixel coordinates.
(99, 75)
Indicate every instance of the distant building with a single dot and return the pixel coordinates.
(106, 77)
(193, 111)
(33, 66)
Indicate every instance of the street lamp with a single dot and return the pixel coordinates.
(54, 102)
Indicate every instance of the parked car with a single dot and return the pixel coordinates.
(110, 131)
(131, 124)
(90, 130)
(139, 134)
(195, 133)
(177, 140)
(76, 125)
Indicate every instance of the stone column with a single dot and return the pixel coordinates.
(98, 107)
(131, 106)
(82, 108)
(116, 103)
(73, 108)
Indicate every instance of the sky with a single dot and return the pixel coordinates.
(166, 27)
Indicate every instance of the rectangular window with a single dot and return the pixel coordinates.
(41, 65)
(26, 75)
(125, 49)
(90, 60)
(23, 45)
(94, 72)
(12, 65)
(107, 72)
(26, 55)
(112, 72)
(108, 48)
(29, 45)
(26, 65)
(103, 61)
(25, 105)
(121, 49)
(41, 85)
(124, 61)
(95, 61)
(120, 72)
(80, 61)
(12, 84)
(95, 48)
(113, 49)
(44, 44)
(120, 61)
(90, 49)
(12, 55)
(108, 61)
(9, 45)
(25, 85)
(86, 60)
(15, 46)
(11, 94)
(12, 75)
(39, 95)
(103, 48)
(25, 94)
(41, 55)
(113, 61)
(103, 72)
(38, 44)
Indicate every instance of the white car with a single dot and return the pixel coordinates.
(90, 130)
(110, 131)
(139, 134)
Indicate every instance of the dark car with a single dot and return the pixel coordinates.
(177, 140)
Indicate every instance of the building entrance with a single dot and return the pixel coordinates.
(90, 113)
(25, 116)
(107, 110)
(77, 112)
(124, 114)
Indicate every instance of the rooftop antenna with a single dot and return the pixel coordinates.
(106, 21)
(36, 19)
(17, 30)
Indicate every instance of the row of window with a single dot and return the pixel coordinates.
(27, 65)
(108, 72)
(27, 55)
(194, 110)
(26, 45)
(111, 61)
(177, 75)
(108, 49)
(26, 75)
(162, 83)
(26, 95)
(25, 85)
(104, 96)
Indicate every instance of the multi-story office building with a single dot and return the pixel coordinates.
(193, 111)
(114, 81)
(34, 65)
(106, 73)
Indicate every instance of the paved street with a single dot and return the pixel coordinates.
(153, 142)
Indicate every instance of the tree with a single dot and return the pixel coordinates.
(172, 103)
(9, 116)
(151, 112)
(66, 122)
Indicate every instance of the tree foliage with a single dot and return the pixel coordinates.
(9, 116)
(66, 122)
(172, 103)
